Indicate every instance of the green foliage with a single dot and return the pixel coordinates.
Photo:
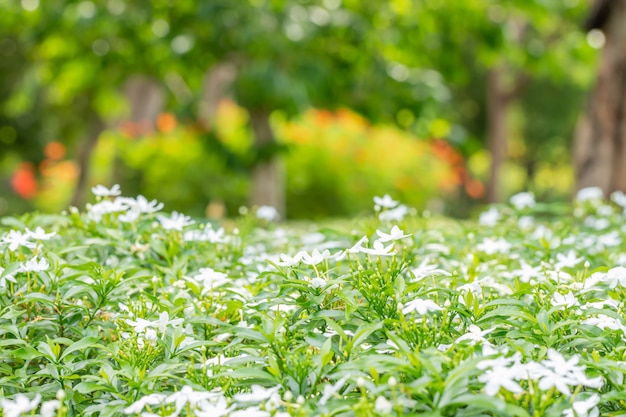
(122, 309)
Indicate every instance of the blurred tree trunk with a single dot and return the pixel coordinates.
(500, 96)
(497, 110)
(217, 82)
(268, 183)
(84, 158)
(600, 139)
(146, 100)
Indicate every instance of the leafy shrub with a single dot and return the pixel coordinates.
(125, 310)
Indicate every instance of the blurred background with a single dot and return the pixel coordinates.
(310, 106)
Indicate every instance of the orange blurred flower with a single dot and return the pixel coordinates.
(475, 189)
(166, 122)
(54, 151)
(23, 181)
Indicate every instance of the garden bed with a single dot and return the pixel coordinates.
(124, 310)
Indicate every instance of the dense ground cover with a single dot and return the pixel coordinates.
(124, 310)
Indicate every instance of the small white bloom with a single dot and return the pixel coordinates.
(164, 321)
(489, 217)
(567, 261)
(475, 335)
(102, 191)
(16, 239)
(383, 406)
(590, 194)
(421, 306)
(317, 282)
(22, 404)
(394, 234)
(522, 200)
(380, 249)
(35, 265)
(257, 395)
(330, 390)
(492, 246)
(526, 222)
(385, 202)
(187, 396)
(395, 214)
(358, 246)
(138, 406)
(151, 335)
(268, 213)
(39, 234)
(315, 257)
(564, 301)
(49, 408)
(584, 408)
(177, 221)
(425, 270)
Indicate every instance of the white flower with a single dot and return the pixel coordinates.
(96, 211)
(286, 260)
(317, 282)
(138, 406)
(615, 276)
(102, 191)
(35, 265)
(211, 279)
(569, 261)
(164, 321)
(380, 249)
(140, 324)
(526, 272)
(187, 396)
(382, 405)
(491, 246)
(584, 408)
(21, 405)
(489, 217)
(257, 395)
(564, 301)
(475, 335)
(590, 194)
(385, 202)
(151, 335)
(526, 222)
(330, 390)
(424, 270)
(500, 377)
(176, 222)
(49, 408)
(39, 234)
(620, 199)
(16, 239)
(358, 246)
(394, 234)
(161, 324)
(142, 204)
(315, 257)
(522, 200)
(206, 235)
(268, 213)
(421, 306)
(253, 411)
(208, 409)
(395, 214)
(605, 322)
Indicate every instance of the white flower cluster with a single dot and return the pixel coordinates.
(554, 371)
(130, 208)
(214, 403)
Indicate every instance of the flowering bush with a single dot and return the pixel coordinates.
(125, 310)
